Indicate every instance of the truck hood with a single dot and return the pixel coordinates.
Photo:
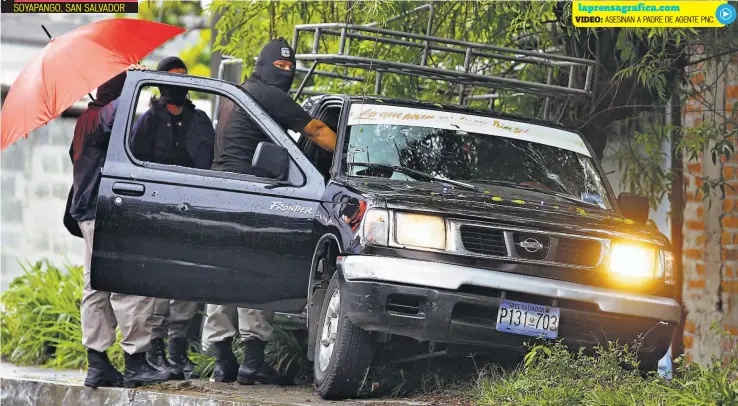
(521, 207)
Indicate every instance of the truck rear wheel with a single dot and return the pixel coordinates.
(343, 352)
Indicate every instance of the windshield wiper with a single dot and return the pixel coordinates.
(413, 172)
(570, 198)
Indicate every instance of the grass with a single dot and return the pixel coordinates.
(40, 321)
(40, 325)
(553, 375)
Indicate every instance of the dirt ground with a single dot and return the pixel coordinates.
(300, 394)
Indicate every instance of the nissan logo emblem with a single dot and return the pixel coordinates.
(531, 245)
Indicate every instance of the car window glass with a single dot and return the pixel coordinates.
(183, 136)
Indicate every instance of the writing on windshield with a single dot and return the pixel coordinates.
(473, 158)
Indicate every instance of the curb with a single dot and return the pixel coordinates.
(16, 391)
(24, 392)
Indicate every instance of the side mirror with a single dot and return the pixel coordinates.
(272, 160)
(634, 207)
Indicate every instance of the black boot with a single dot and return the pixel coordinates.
(140, 373)
(254, 369)
(178, 357)
(158, 359)
(226, 364)
(100, 372)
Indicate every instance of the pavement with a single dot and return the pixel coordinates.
(42, 386)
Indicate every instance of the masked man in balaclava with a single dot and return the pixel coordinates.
(100, 311)
(237, 137)
(173, 132)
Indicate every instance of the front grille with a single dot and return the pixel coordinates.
(522, 245)
(578, 252)
(482, 240)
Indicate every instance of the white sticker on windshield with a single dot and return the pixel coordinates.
(395, 115)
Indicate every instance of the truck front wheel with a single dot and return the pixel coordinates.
(343, 352)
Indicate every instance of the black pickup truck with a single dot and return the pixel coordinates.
(444, 224)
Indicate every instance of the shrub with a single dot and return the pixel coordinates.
(40, 325)
(553, 375)
(713, 384)
(40, 321)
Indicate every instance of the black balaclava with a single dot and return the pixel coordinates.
(267, 73)
(110, 90)
(175, 95)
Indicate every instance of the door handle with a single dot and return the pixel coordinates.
(128, 189)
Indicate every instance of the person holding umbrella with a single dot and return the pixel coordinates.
(46, 87)
(173, 132)
(102, 311)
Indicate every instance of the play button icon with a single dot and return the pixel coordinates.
(725, 14)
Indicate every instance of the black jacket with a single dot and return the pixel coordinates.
(152, 136)
(87, 152)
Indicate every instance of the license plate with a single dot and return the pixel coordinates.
(528, 319)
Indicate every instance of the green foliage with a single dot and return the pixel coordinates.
(40, 322)
(40, 325)
(287, 351)
(712, 384)
(197, 57)
(640, 157)
(169, 11)
(553, 375)
(245, 27)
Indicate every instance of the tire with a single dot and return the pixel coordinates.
(339, 370)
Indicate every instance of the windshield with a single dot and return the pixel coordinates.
(467, 149)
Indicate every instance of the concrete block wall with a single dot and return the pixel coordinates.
(36, 174)
(710, 247)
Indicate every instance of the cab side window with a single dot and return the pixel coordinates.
(172, 126)
(169, 130)
(321, 158)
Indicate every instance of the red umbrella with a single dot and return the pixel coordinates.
(74, 64)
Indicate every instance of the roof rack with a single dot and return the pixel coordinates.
(327, 33)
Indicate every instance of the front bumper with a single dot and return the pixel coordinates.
(454, 304)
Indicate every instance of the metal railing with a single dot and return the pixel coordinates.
(332, 33)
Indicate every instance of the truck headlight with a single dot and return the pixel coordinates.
(420, 230)
(376, 227)
(634, 262)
